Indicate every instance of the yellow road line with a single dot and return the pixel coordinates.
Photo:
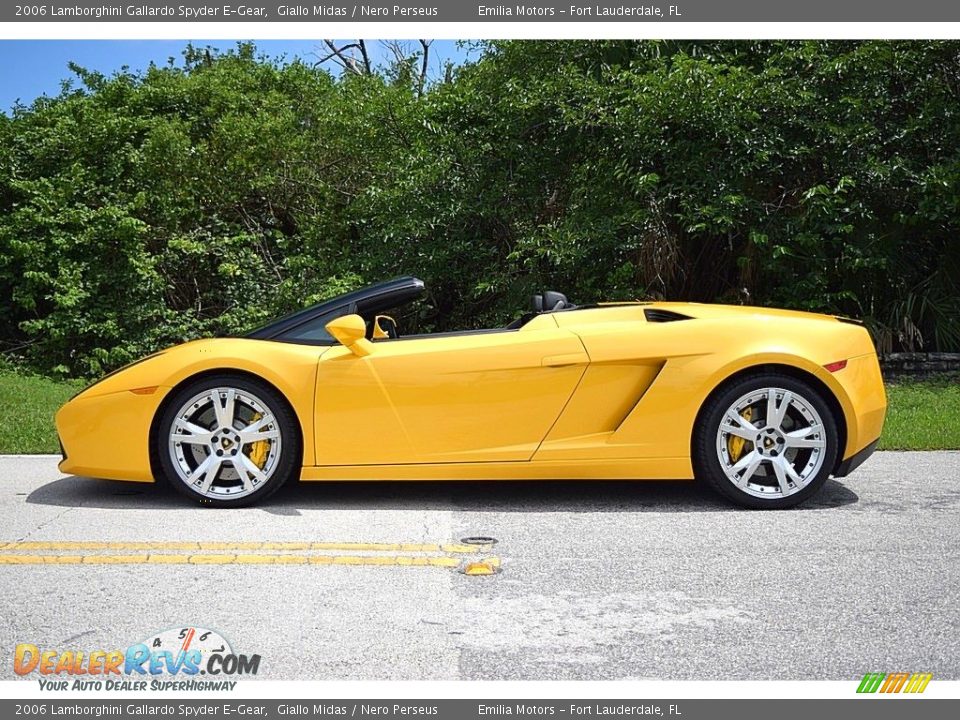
(455, 548)
(446, 561)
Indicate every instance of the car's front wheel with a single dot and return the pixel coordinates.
(766, 441)
(227, 441)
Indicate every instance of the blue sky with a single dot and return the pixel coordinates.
(31, 68)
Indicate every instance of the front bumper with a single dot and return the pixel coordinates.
(108, 436)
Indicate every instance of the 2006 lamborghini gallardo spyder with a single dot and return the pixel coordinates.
(761, 404)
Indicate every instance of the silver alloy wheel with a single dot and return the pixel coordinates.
(771, 443)
(225, 443)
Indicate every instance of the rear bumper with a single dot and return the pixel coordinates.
(855, 460)
(864, 403)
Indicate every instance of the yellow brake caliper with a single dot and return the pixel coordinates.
(258, 450)
(735, 444)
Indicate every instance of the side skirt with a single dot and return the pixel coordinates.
(635, 469)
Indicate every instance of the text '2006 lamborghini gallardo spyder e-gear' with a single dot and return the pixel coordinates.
(763, 405)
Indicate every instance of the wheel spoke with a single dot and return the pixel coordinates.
(792, 474)
(741, 423)
(801, 438)
(248, 438)
(255, 432)
(749, 464)
(197, 435)
(208, 470)
(248, 471)
(224, 407)
(776, 414)
(781, 474)
(740, 432)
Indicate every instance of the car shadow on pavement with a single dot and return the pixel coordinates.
(497, 496)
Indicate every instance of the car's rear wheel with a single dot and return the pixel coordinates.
(766, 441)
(227, 441)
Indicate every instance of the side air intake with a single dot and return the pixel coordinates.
(660, 315)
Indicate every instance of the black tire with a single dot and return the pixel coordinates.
(284, 467)
(706, 456)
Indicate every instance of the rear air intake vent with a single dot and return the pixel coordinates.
(659, 315)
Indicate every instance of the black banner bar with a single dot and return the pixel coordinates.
(473, 11)
(143, 708)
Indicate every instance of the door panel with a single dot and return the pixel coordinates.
(456, 398)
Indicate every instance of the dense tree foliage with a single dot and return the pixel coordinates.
(140, 210)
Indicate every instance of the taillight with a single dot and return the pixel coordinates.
(834, 366)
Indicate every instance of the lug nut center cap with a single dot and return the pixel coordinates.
(770, 441)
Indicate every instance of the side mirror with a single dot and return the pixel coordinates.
(351, 331)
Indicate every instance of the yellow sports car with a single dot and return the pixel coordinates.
(761, 404)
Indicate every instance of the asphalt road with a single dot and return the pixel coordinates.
(599, 580)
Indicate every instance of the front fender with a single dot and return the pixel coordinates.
(105, 429)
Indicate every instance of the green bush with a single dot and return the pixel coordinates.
(141, 210)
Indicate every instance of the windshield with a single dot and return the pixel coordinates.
(309, 325)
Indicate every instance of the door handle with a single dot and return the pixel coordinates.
(562, 360)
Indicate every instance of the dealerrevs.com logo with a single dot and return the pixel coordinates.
(187, 658)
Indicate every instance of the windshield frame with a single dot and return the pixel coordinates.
(366, 301)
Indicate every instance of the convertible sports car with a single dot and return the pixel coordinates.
(761, 404)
